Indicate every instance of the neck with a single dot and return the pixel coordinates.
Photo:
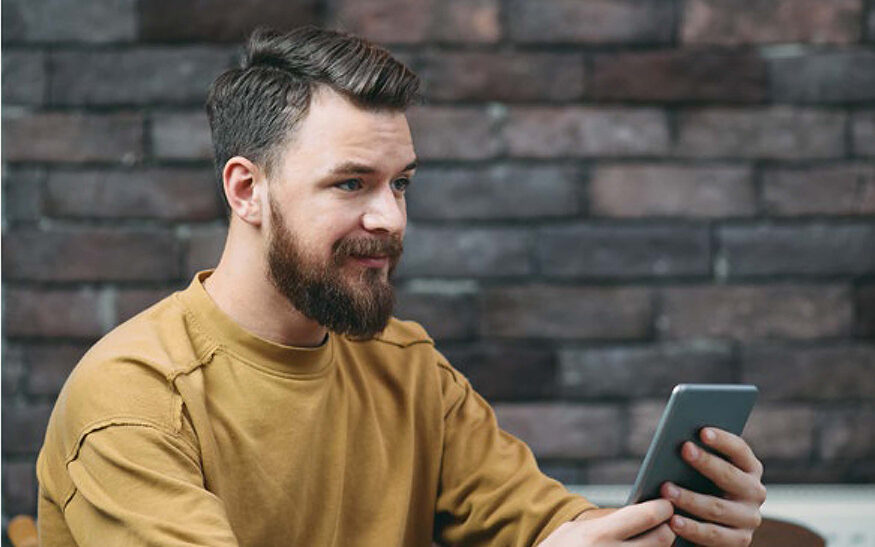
(240, 287)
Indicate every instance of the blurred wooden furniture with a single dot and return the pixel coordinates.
(781, 533)
(22, 532)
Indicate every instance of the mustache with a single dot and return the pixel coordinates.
(390, 246)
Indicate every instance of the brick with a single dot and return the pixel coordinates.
(770, 133)
(13, 371)
(749, 312)
(204, 248)
(453, 132)
(471, 21)
(612, 471)
(865, 306)
(567, 312)
(506, 371)
(598, 251)
(811, 373)
(722, 22)
(830, 77)
(643, 418)
(565, 472)
(24, 427)
(653, 190)
(130, 302)
(844, 189)
(71, 313)
(24, 77)
(809, 249)
(163, 193)
(218, 20)
(90, 254)
(49, 366)
(445, 316)
(642, 371)
(785, 431)
(72, 137)
(97, 21)
(592, 22)
(388, 22)
(22, 194)
(157, 75)
(546, 132)
(784, 471)
(503, 191)
(563, 430)
(476, 76)
(679, 75)
(19, 488)
(848, 434)
(479, 252)
(863, 132)
(181, 136)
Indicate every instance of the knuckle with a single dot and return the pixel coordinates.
(715, 509)
(745, 538)
(757, 519)
(664, 535)
(712, 535)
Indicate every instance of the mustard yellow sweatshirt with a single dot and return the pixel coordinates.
(182, 428)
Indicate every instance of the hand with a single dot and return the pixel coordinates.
(732, 519)
(610, 527)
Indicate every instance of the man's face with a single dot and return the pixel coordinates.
(337, 214)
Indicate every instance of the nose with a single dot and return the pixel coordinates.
(385, 212)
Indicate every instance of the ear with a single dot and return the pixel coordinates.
(240, 180)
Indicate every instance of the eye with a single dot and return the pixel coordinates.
(400, 185)
(350, 185)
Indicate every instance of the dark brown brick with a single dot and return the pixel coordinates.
(446, 315)
(845, 189)
(567, 312)
(774, 133)
(502, 191)
(24, 427)
(164, 193)
(72, 137)
(97, 21)
(473, 21)
(506, 371)
(388, 22)
(612, 471)
(652, 190)
(218, 20)
(752, 312)
(90, 254)
(14, 369)
(161, 75)
(181, 136)
(725, 22)
(130, 302)
(454, 252)
(204, 249)
(49, 366)
(863, 130)
(453, 132)
(76, 313)
(24, 77)
(808, 249)
(848, 434)
(616, 252)
(642, 371)
(594, 21)
(545, 132)
(22, 194)
(811, 373)
(479, 76)
(19, 488)
(644, 416)
(865, 306)
(781, 431)
(679, 75)
(559, 430)
(828, 77)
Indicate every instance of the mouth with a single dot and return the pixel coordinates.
(372, 261)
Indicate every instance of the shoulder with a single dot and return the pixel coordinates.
(403, 334)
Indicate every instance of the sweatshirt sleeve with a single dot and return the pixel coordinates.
(491, 490)
(140, 485)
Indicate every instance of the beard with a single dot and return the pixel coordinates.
(357, 304)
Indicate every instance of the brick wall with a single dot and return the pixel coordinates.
(616, 195)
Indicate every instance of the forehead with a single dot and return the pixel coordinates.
(336, 131)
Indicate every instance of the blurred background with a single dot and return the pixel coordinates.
(615, 196)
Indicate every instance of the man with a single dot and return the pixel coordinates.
(276, 402)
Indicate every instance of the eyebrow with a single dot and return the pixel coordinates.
(351, 167)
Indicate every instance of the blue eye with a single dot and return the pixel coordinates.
(350, 185)
(400, 185)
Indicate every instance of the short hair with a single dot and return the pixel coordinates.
(254, 109)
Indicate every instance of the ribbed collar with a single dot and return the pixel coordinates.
(276, 358)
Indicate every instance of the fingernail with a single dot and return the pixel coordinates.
(692, 451)
(708, 435)
(677, 522)
(672, 491)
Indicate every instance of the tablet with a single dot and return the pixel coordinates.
(690, 408)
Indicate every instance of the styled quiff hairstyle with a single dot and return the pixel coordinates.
(253, 110)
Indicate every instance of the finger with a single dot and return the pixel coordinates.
(703, 533)
(711, 508)
(734, 447)
(661, 536)
(728, 478)
(636, 519)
